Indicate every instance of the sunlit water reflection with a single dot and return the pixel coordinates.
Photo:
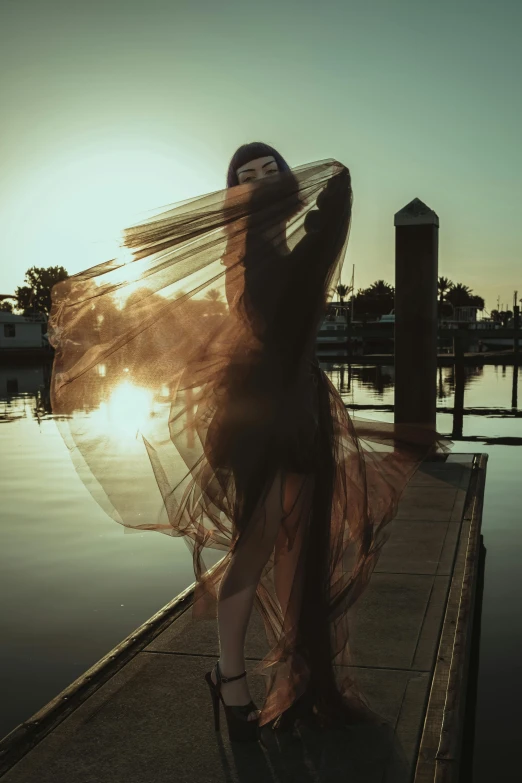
(74, 583)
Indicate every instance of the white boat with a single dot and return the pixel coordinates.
(332, 331)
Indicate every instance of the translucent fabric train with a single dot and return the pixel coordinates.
(186, 385)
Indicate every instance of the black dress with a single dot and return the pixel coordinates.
(188, 392)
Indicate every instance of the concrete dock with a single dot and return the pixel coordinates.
(143, 713)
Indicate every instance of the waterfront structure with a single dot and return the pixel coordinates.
(22, 331)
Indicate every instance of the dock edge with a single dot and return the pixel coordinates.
(439, 754)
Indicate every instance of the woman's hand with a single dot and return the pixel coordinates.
(331, 203)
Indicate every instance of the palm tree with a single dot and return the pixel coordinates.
(380, 288)
(213, 294)
(375, 300)
(443, 285)
(459, 295)
(341, 291)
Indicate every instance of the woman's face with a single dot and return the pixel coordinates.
(257, 169)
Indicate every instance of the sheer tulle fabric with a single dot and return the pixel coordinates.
(186, 386)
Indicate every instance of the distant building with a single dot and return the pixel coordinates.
(24, 379)
(22, 331)
(467, 313)
(460, 315)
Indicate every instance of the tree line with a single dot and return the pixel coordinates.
(376, 300)
(379, 299)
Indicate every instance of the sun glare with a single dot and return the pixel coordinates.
(125, 413)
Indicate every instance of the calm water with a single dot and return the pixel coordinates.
(74, 583)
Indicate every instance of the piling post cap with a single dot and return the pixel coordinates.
(416, 213)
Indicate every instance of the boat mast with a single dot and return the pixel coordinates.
(353, 289)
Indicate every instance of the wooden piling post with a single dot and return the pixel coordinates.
(416, 276)
(516, 327)
(348, 332)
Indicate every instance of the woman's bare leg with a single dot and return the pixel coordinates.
(239, 584)
(289, 544)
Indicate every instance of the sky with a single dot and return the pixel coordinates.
(113, 108)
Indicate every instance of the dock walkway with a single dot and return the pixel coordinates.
(143, 713)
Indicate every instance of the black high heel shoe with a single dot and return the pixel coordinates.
(240, 729)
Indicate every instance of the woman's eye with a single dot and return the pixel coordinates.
(249, 179)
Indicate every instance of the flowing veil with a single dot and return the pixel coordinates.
(186, 387)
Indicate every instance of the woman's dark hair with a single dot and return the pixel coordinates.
(247, 152)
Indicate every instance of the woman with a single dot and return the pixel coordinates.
(213, 322)
(281, 390)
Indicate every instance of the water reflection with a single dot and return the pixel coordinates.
(462, 389)
(124, 406)
(70, 574)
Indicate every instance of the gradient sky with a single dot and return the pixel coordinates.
(111, 108)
